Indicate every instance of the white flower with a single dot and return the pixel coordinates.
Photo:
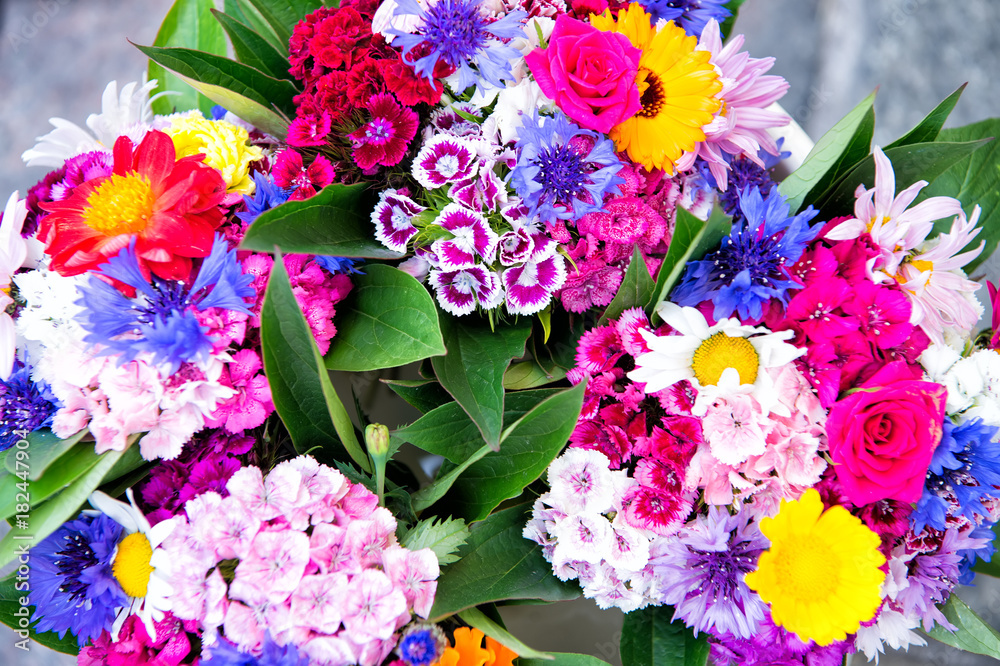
(125, 113)
(973, 383)
(893, 629)
(586, 537)
(581, 482)
(13, 252)
(720, 361)
(514, 103)
(138, 562)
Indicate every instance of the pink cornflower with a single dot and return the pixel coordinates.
(384, 138)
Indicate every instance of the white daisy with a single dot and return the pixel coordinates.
(721, 360)
(135, 562)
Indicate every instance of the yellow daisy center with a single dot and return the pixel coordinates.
(652, 98)
(719, 352)
(806, 565)
(120, 205)
(131, 567)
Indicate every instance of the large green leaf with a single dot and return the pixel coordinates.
(11, 613)
(218, 72)
(910, 163)
(649, 637)
(564, 659)
(635, 291)
(47, 517)
(974, 180)
(259, 115)
(246, 13)
(472, 370)
(283, 15)
(478, 619)
(531, 374)
(497, 564)
(424, 394)
(388, 320)
(188, 24)
(301, 389)
(449, 473)
(831, 157)
(530, 444)
(337, 221)
(929, 128)
(253, 49)
(79, 460)
(691, 240)
(973, 635)
(44, 448)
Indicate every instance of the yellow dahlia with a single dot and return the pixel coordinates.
(821, 575)
(223, 144)
(677, 85)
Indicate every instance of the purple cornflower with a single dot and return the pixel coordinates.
(159, 314)
(751, 265)
(774, 646)
(225, 653)
(73, 587)
(563, 171)
(457, 33)
(25, 406)
(701, 573)
(692, 15)
(266, 196)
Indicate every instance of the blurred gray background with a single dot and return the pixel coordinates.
(56, 56)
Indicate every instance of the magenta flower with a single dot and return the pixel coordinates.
(310, 129)
(471, 234)
(252, 403)
(445, 159)
(290, 172)
(515, 246)
(593, 284)
(883, 311)
(530, 286)
(485, 191)
(393, 219)
(384, 138)
(458, 292)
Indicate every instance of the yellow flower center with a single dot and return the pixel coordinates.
(651, 91)
(922, 265)
(719, 352)
(809, 565)
(120, 205)
(131, 566)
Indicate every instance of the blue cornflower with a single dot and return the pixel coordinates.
(73, 586)
(969, 555)
(692, 15)
(751, 265)
(421, 645)
(25, 405)
(456, 33)
(563, 171)
(159, 318)
(266, 196)
(964, 471)
(219, 112)
(337, 265)
(225, 653)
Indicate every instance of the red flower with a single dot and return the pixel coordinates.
(290, 171)
(170, 206)
(409, 88)
(384, 138)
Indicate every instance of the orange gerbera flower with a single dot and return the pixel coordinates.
(468, 651)
(170, 206)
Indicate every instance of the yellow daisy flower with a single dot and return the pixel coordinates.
(223, 144)
(821, 575)
(677, 85)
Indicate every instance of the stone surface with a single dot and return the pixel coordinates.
(56, 56)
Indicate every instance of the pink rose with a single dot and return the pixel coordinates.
(882, 438)
(589, 73)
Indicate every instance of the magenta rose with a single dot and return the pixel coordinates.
(882, 438)
(589, 73)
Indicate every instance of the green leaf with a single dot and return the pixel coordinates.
(497, 564)
(476, 618)
(76, 462)
(727, 26)
(424, 394)
(472, 371)
(973, 180)
(44, 448)
(929, 128)
(388, 320)
(636, 288)
(336, 221)
(444, 537)
(426, 497)
(254, 50)
(531, 443)
(564, 659)
(973, 634)
(189, 24)
(692, 239)
(224, 81)
(830, 157)
(530, 374)
(47, 517)
(649, 637)
(283, 15)
(301, 389)
(243, 11)
(917, 161)
(10, 603)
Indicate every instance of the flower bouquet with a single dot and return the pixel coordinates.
(354, 327)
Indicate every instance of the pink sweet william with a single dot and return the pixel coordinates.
(882, 437)
(589, 73)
